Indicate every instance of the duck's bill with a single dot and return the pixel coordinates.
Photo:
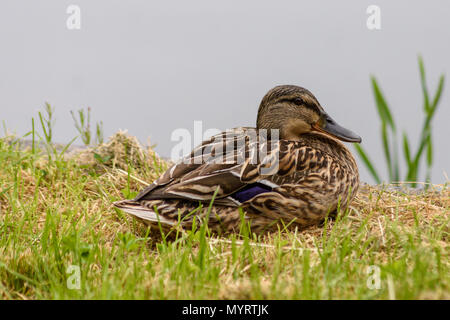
(330, 127)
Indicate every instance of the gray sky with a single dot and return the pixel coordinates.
(154, 66)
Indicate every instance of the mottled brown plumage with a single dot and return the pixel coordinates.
(295, 180)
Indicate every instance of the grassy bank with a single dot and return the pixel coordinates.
(56, 216)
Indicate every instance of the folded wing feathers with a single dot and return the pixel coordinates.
(135, 209)
(199, 181)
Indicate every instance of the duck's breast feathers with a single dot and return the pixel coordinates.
(233, 161)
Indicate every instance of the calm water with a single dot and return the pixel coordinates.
(152, 67)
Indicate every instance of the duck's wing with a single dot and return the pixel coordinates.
(235, 163)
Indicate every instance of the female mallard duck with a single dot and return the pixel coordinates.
(297, 179)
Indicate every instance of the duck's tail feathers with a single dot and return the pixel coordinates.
(136, 209)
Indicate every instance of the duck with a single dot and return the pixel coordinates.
(290, 171)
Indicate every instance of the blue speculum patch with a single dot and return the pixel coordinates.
(250, 191)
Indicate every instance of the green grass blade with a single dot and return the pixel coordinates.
(406, 150)
(426, 99)
(429, 151)
(67, 146)
(364, 157)
(425, 140)
(386, 149)
(396, 164)
(438, 94)
(43, 127)
(33, 140)
(382, 106)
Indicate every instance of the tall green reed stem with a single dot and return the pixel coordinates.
(389, 135)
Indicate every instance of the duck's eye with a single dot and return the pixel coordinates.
(298, 101)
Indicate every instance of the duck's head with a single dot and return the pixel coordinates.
(295, 111)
